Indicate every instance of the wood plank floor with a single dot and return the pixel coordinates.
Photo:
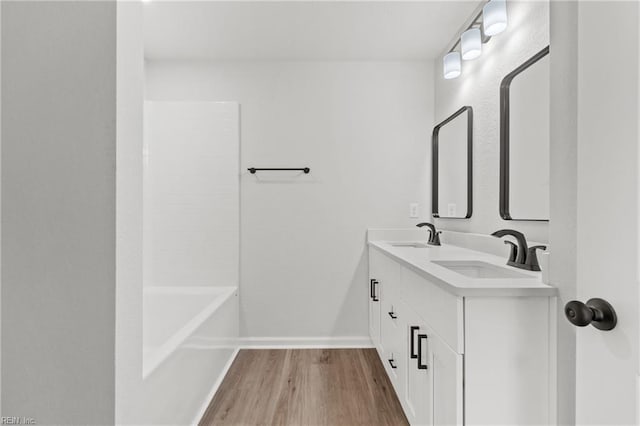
(305, 387)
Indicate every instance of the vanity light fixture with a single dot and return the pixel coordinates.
(452, 65)
(490, 20)
(471, 44)
(494, 17)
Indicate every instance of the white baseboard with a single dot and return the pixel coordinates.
(304, 342)
(214, 388)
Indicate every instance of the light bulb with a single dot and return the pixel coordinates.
(471, 44)
(494, 17)
(452, 65)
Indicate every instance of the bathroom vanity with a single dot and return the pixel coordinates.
(463, 338)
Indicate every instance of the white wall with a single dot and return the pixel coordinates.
(364, 130)
(191, 194)
(58, 211)
(479, 87)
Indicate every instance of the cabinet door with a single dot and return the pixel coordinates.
(376, 279)
(385, 274)
(446, 381)
(417, 398)
(375, 292)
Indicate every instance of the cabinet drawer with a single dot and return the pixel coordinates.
(394, 338)
(441, 310)
(390, 328)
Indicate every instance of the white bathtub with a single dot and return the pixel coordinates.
(189, 337)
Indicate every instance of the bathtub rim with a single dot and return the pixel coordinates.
(151, 362)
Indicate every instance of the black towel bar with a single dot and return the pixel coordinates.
(253, 170)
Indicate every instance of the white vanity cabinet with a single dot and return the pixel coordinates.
(459, 359)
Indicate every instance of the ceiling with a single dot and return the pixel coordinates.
(301, 30)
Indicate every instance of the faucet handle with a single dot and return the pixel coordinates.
(532, 258)
(514, 251)
(436, 238)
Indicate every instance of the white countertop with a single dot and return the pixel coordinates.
(421, 261)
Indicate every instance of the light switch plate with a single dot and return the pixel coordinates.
(414, 210)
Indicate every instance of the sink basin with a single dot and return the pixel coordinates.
(410, 244)
(478, 269)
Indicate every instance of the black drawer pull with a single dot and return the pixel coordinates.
(392, 363)
(421, 366)
(414, 328)
(393, 315)
(372, 290)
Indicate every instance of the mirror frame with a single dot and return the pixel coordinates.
(504, 135)
(434, 163)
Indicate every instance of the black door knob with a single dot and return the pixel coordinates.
(597, 312)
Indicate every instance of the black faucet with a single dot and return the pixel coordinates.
(521, 256)
(434, 236)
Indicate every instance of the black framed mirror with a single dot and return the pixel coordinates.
(452, 164)
(524, 140)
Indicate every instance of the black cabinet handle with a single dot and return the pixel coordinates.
(414, 328)
(372, 290)
(393, 315)
(392, 363)
(421, 366)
